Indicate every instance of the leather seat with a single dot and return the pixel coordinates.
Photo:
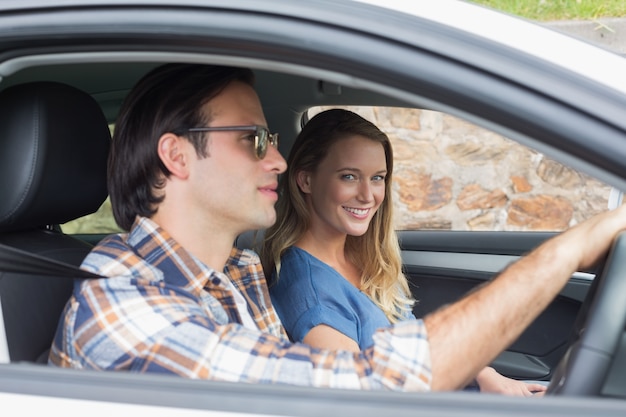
(252, 239)
(54, 143)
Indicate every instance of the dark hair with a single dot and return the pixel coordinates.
(167, 99)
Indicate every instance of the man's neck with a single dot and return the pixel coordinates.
(211, 245)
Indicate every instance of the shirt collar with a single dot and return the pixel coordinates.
(179, 267)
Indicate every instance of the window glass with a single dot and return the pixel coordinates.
(452, 175)
(100, 222)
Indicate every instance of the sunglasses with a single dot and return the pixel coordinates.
(261, 136)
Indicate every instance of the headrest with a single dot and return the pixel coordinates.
(54, 144)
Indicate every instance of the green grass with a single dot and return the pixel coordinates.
(547, 10)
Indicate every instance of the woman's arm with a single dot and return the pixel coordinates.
(489, 380)
(325, 337)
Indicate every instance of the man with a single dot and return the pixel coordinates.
(192, 166)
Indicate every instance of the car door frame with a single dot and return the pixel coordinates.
(412, 70)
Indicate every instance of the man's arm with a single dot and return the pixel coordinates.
(122, 324)
(489, 319)
(126, 324)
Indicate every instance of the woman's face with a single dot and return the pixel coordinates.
(347, 188)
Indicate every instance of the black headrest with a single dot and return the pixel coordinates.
(54, 144)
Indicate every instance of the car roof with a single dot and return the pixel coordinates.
(507, 30)
(603, 66)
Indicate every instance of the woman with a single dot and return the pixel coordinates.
(333, 255)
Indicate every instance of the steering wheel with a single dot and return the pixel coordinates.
(597, 331)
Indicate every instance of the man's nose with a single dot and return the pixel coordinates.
(275, 160)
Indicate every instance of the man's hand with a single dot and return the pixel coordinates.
(467, 335)
(587, 242)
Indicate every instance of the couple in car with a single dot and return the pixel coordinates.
(192, 166)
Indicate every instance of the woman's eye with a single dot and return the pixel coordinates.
(348, 177)
(378, 178)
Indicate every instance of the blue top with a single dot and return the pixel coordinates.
(310, 292)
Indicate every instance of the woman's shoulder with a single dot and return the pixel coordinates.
(298, 265)
(295, 257)
(294, 265)
(295, 253)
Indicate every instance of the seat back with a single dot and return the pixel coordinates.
(251, 239)
(54, 143)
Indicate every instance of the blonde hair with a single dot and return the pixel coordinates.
(377, 251)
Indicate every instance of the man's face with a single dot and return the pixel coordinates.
(232, 186)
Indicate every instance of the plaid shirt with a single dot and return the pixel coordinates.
(162, 310)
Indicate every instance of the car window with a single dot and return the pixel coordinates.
(453, 175)
(100, 222)
(450, 174)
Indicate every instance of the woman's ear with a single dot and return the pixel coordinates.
(303, 178)
(173, 152)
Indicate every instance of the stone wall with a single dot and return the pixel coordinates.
(450, 174)
(469, 179)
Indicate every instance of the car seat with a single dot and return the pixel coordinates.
(251, 239)
(54, 143)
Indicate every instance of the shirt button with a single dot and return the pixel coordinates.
(216, 281)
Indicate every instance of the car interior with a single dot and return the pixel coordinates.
(55, 135)
(55, 138)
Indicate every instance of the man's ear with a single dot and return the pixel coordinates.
(303, 178)
(173, 151)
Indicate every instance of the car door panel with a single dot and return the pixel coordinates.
(442, 266)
